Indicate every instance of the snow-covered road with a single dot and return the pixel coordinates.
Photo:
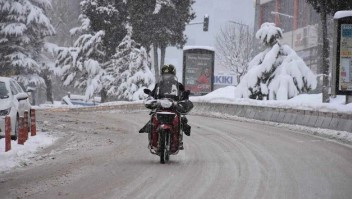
(101, 155)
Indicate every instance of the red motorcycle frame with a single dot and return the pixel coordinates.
(165, 136)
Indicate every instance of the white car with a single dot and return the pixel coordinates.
(13, 102)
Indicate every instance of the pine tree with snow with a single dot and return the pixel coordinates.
(160, 23)
(103, 28)
(23, 27)
(110, 17)
(277, 73)
(81, 65)
(133, 65)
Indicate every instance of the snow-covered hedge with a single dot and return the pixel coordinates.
(277, 73)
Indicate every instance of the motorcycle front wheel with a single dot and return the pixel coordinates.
(162, 147)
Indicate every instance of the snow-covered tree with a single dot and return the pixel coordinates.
(234, 47)
(160, 3)
(103, 28)
(277, 73)
(81, 64)
(108, 16)
(133, 65)
(23, 27)
(160, 23)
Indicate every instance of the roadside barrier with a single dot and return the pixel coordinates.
(310, 118)
(21, 131)
(33, 123)
(25, 126)
(7, 133)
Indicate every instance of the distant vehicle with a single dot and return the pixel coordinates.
(13, 102)
(80, 100)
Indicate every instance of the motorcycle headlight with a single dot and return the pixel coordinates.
(5, 112)
(166, 103)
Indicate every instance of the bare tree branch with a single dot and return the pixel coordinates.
(234, 48)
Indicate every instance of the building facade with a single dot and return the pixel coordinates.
(300, 25)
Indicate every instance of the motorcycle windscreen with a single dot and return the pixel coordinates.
(169, 88)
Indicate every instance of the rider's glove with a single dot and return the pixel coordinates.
(174, 104)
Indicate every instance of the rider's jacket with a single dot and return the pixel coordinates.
(184, 105)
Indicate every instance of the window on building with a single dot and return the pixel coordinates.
(286, 23)
(266, 10)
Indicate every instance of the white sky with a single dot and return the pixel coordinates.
(220, 12)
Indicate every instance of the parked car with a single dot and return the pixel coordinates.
(13, 102)
(80, 100)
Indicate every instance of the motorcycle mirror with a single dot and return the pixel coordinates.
(147, 91)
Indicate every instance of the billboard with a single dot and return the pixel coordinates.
(198, 70)
(342, 78)
(345, 67)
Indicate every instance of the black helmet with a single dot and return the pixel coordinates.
(168, 69)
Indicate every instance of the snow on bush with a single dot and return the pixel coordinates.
(277, 73)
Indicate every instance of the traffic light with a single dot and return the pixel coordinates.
(206, 23)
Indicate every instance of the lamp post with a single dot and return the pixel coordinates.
(290, 17)
(247, 38)
(241, 24)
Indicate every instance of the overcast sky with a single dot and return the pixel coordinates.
(220, 12)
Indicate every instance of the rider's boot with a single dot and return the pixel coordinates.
(146, 128)
(186, 127)
(181, 146)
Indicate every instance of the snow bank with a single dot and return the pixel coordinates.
(304, 101)
(22, 155)
(57, 104)
(116, 103)
(221, 95)
(343, 14)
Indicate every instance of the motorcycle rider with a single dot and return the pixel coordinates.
(182, 105)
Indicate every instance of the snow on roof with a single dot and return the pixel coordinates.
(199, 47)
(343, 14)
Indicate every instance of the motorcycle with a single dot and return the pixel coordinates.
(166, 134)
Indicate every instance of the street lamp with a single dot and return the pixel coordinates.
(241, 24)
(290, 17)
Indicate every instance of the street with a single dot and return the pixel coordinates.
(101, 155)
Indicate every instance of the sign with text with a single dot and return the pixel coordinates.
(343, 57)
(224, 80)
(198, 71)
(345, 68)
